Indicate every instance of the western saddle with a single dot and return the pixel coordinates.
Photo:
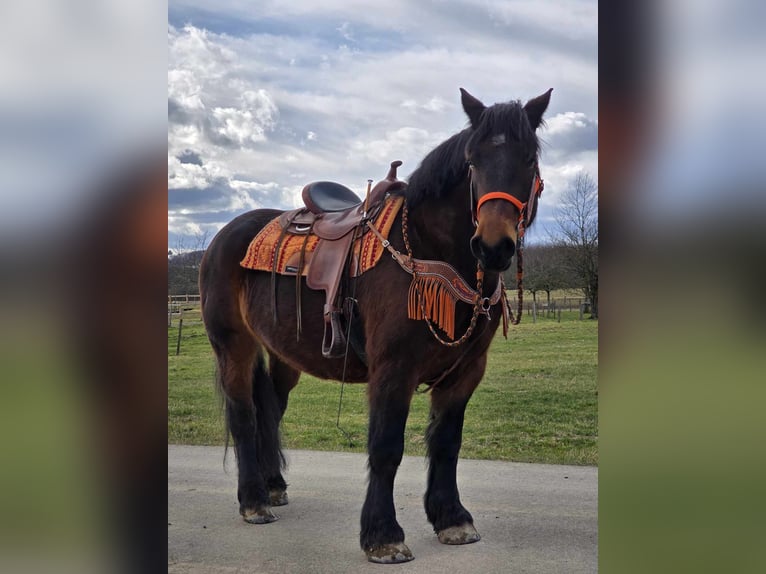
(337, 216)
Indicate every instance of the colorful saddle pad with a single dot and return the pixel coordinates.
(262, 251)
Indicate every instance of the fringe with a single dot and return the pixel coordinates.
(430, 294)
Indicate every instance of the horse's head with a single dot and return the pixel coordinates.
(504, 177)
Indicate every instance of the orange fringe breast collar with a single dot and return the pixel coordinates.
(436, 288)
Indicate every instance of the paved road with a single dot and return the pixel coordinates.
(532, 518)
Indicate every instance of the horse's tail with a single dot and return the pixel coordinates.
(252, 410)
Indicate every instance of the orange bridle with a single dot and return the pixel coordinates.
(525, 209)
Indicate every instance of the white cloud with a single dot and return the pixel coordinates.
(183, 226)
(238, 125)
(214, 101)
(382, 151)
(435, 104)
(185, 88)
(345, 31)
(338, 91)
(567, 121)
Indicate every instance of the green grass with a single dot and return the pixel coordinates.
(537, 402)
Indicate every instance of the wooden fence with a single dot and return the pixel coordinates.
(552, 310)
(541, 308)
(178, 304)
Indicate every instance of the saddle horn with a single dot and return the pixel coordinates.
(391, 176)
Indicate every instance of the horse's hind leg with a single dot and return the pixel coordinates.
(244, 380)
(252, 412)
(284, 379)
(452, 523)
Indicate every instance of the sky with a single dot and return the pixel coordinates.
(265, 97)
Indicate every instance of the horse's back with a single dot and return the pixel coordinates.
(220, 275)
(230, 244)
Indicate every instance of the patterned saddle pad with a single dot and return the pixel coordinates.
(262, 251)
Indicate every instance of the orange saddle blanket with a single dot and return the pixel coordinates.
(262, 251)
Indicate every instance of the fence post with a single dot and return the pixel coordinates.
(170, 316)
(581, 310)
(559, 310)
(534, 311)
(180, 327)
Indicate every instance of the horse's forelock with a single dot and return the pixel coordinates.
(506, 119)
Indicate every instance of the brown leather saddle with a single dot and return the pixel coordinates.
(337, 216)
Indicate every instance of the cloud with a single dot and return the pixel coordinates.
(571, 132)
(273, 98)
(207, 97)
(189, 157)
(382, 151)
(434, 104)
(238, 125)
(345, 31)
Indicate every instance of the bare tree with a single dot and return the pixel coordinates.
(577, 225)
(183, 264)
(543, 270)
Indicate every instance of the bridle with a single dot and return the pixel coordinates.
(525, 209)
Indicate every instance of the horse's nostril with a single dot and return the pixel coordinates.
(509, 246)
(498, 256)
(476, 248)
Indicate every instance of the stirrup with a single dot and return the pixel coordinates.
(334, 340)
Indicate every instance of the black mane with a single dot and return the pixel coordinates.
(441, 170)
(445, 166)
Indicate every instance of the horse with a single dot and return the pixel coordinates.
(466, 204)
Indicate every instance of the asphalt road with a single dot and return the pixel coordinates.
(532, 518)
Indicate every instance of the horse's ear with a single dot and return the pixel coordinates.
(536, 107)
(473, 107)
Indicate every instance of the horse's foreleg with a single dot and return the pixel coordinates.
(452, 523)
(381, 537)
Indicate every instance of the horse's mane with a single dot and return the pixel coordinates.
(444, 167)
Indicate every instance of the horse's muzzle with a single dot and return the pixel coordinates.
(495, 258)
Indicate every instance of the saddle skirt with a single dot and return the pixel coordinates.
(266, 253)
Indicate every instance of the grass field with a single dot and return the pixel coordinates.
(537, 402)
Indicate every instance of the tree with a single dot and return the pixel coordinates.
(543, 270)
(183, 265)
(577, 225)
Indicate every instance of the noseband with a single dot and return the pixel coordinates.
(525, 209)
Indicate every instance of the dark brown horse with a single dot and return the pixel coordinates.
(260, 360)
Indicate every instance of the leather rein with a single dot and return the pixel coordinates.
(453, 281)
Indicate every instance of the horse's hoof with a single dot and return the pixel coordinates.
(261, 516)
(390, 554)
(463, 534)
(278, 497)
